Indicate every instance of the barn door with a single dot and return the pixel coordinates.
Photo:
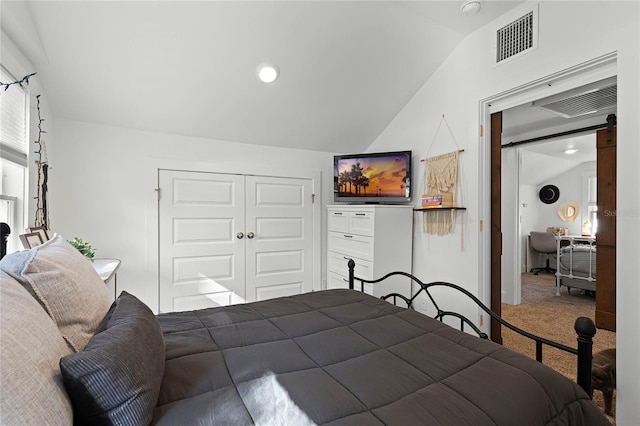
(606, 231)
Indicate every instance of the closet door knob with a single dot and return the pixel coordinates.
(239, 235)
(250, 235)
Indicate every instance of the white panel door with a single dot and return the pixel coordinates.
(279, 244)
(201, 255)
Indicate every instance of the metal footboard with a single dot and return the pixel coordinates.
(584, 327)
(579, 278)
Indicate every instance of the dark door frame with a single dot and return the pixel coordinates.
(496, 223)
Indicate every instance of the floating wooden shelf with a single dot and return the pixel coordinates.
(424, 209)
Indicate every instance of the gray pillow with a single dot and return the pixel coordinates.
(66, 285)
(116, 379)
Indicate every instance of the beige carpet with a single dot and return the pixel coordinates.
(547, 315)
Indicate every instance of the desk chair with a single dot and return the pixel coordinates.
(543, 242)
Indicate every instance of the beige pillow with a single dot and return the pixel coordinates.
(30, 350)
(68, 287)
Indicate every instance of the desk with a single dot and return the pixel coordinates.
(107, 270)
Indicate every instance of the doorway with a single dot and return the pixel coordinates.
(546, 314)
(493, 243)
(566, 166)
(572, 178)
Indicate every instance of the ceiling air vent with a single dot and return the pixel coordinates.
(599, 97)
(517, 37)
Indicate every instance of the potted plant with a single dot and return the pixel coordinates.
(83, 247)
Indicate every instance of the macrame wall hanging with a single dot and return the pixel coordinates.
(441, 197)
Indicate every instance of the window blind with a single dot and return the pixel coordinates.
(13, 121)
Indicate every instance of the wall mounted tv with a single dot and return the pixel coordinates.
(383, 177)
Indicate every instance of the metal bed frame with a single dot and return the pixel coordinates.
(584, 327)
(591, 241)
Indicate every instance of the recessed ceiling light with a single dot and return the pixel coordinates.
(470, 7)
(268, 73)
(570, 151)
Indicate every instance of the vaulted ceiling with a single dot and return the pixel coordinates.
(189, 68)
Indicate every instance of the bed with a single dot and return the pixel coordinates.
(576, 263)
(332, 357)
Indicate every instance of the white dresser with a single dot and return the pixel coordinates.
(378, 238)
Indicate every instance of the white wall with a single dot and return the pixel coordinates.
(570, 185)
(510, 241)
(17, 63)
(570, 33)
(538, 216)
(103, 189)
(528, 219)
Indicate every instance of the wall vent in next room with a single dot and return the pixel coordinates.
(599, 97)
(517, 37)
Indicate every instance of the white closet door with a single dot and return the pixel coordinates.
(280, 224)
(202, 258)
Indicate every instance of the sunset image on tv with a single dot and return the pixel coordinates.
(373, 177)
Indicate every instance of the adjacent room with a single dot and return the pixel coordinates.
(550, 158)
(190, 188)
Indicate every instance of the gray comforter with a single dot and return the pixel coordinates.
(341, 357)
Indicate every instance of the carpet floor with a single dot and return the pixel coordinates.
(547, 315)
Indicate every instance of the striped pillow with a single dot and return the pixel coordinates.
(116, 379)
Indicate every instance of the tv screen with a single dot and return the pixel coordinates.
(383, 177)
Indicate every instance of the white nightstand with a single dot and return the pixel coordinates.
(107, 269)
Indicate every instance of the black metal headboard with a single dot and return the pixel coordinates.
(584, 327)
(5, 231)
